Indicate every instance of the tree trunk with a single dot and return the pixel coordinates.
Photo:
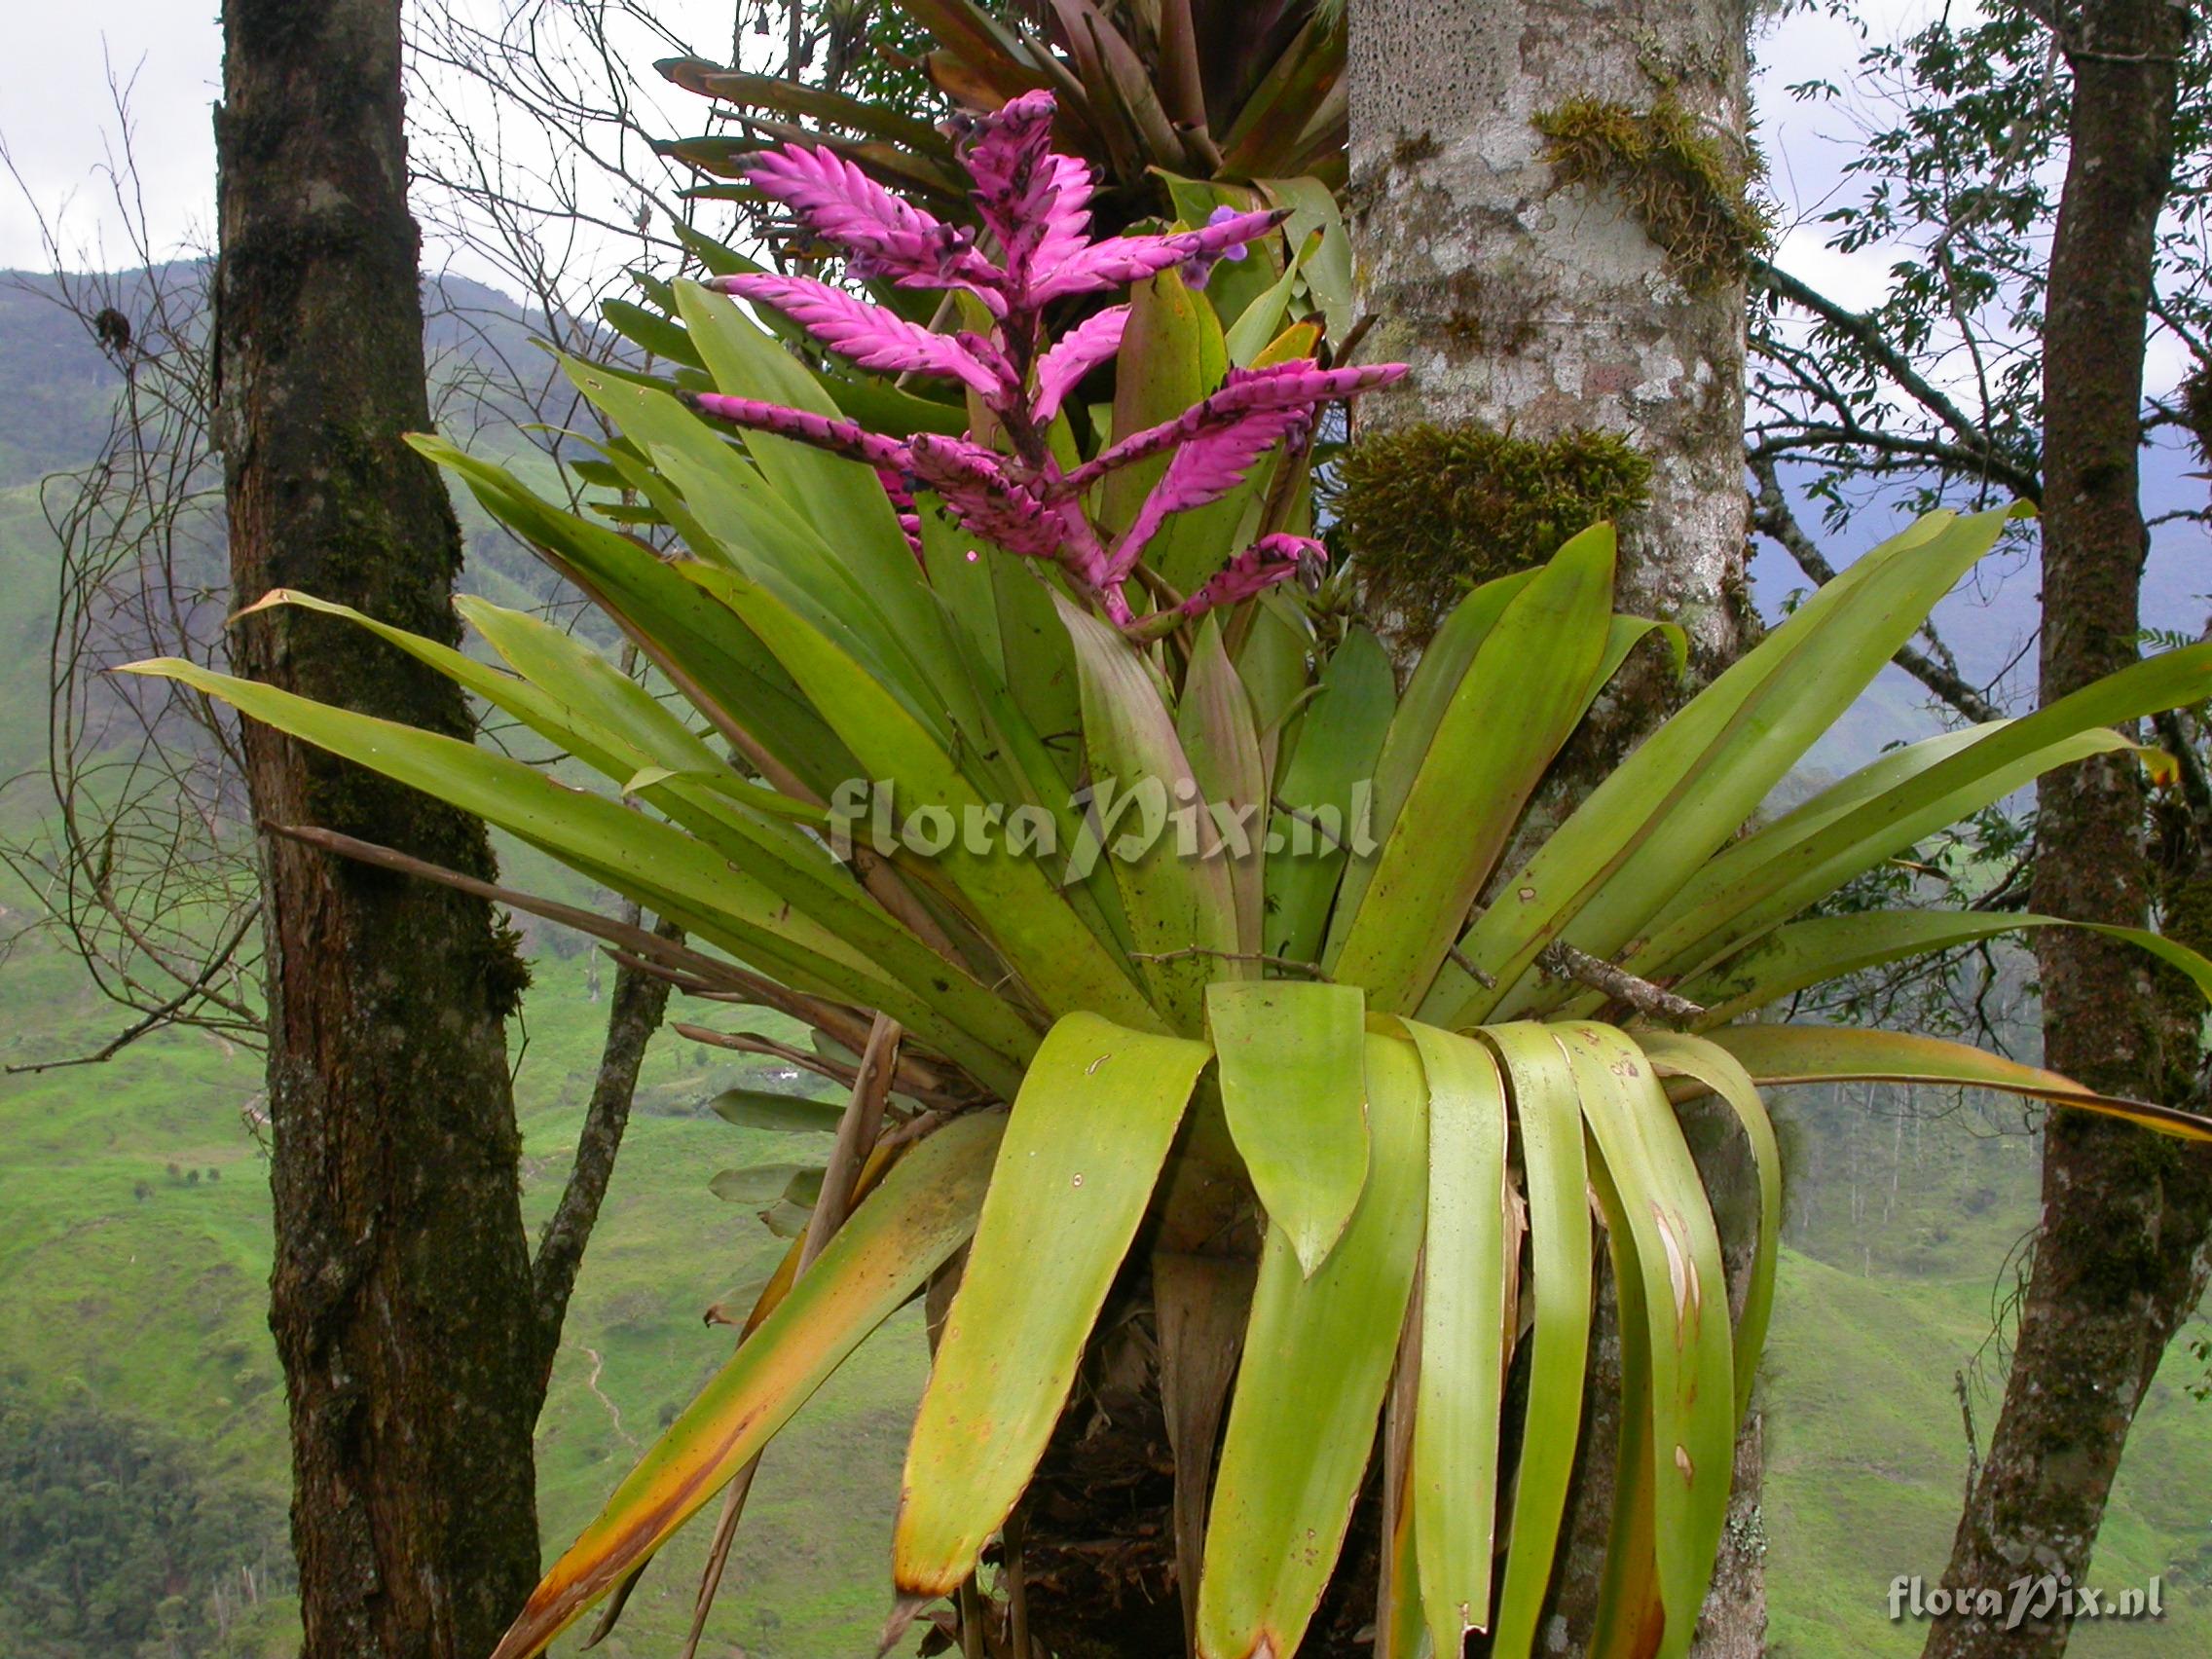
(401, 1295)
(2121, 1258)
(1537, 307)
(1550, 218)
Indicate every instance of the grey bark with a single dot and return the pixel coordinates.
(1537, 308)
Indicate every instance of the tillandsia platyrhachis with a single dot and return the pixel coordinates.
(1355, 1113)
(1036, 207)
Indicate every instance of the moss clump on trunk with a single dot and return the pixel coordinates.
(1690, 190)
(1427, 512)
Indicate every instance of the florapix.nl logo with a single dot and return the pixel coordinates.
(1108, 818)
(2031, 1598)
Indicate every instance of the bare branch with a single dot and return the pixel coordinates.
(634, 1013)
(1564, 961)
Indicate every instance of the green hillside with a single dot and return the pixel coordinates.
(137, 1252)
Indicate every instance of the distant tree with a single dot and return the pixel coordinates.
(2044, 181)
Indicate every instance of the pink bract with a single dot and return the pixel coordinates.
(1035, 209)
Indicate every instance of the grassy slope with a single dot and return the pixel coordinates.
(155, 1305)
(1866, 1459)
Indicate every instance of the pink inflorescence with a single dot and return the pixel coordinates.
(1036, 207)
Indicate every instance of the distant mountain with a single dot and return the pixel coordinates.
(1990, 621)
(62, 385)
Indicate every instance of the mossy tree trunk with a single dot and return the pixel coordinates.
(1552, 223)
(1548, 203)
(2121, 1255)
(401, 1291)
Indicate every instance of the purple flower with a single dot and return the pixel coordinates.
(1197, 267)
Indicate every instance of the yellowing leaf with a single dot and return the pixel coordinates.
(1082, 1150)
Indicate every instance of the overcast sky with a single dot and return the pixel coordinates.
(59, 123)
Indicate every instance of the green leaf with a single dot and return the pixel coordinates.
(1463, 1338)
(787, 1220)
(731, 515)
(1214, 722)
(1330, 773)
(1271, 662)
(1812, 952)
(842, 498)
(1548, 1110)
(903, 1232)
(1181, 911)
(1084, 1147)
(1750, 889)
(1670, 1277)
(1824, 1054)
(787, 1114)
(711, 657)
(595, 689)
(764, 1183)
(1317, 1360)
(1437, 677)
(1258, 323)
(1522, 695)
(655, 332)
(1295, 1091)
(1327, 270)
(663, 868)
(1677, 1055)
(1171, 356)
(1689, 786)
(1011, 898)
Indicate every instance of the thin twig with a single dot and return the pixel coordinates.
(1298, 815)
(1012, 1539)
(753, 1042)
(1305, 969)
(1564, 961)
(1467, 965)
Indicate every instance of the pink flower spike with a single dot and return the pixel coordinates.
(883, 235)
(872, 336)
(1268, 561)
(975, 488)
(1073, 356)
(1204, 470)
(1119, 261)
(1066, 220)
(839, 437)
(1298, 385)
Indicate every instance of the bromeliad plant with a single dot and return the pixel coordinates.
(1416, 1085)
